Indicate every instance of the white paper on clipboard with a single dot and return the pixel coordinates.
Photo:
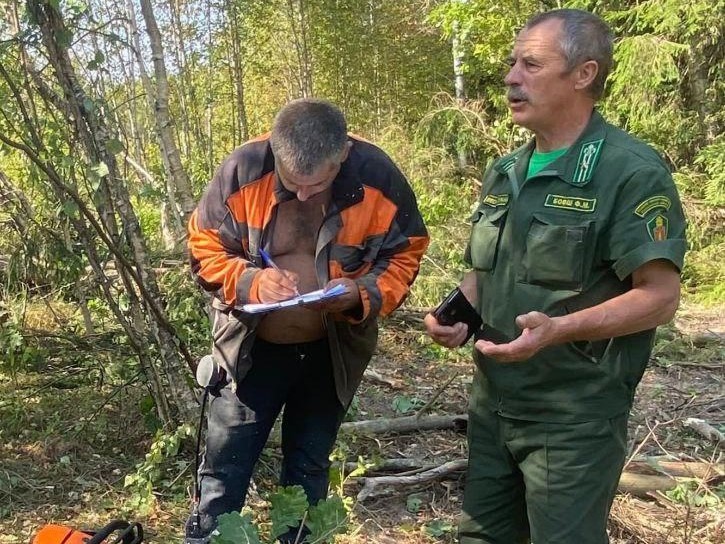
(301, 300)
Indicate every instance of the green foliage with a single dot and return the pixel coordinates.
(185, 308)
(672, 346)
(704, 274)
(326, 519)
(288, 509)
(403, 404)
(288, 505)
(414, 503)
(150, 473)
(691, 492)
(439, 528)
(235, 528)
(14, 353)
(647, 67)
(339, 475)
(485, 31)
(149, 217)
(711, 161)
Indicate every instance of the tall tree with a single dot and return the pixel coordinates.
(110, 196)
(178, 180)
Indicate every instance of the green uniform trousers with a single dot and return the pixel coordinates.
(540, 482)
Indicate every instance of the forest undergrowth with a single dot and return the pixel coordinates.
(71, 435)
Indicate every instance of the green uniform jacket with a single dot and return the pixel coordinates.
(566, 239)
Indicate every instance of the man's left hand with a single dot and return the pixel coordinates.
(345, 302)
(538, 331)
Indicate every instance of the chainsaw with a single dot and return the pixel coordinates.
(116, 532)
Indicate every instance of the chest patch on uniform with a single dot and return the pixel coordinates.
(652, 203)
(657, 228)
(496, 200)
(587, 160)
(585, 205)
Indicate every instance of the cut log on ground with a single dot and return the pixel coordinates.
(642, 485)
(681, 469)
(661, 476)
(458, 422)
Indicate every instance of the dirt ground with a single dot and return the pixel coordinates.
(65, 447)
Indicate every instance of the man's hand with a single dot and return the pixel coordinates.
(538, 331)
(450, 337)
(345, 302)
(276, 285)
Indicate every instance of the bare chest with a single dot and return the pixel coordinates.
(295, 230)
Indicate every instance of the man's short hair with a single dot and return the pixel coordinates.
(584, 37)
(307, 133)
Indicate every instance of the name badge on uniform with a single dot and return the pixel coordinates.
(577, 204)
(496, 201)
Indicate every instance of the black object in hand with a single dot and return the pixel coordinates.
(487, 332)
(455, 308)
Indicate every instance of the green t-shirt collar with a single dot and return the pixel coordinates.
(540, 159)
(576, 166)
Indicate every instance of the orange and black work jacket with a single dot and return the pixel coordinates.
(372, 233)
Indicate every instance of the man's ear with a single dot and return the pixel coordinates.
(585, 74)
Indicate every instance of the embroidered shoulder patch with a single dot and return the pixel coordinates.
(585, 205)
(652, 203)
(496, 200)
(587, 160)
(657, 228)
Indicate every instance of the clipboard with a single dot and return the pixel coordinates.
(300, 300)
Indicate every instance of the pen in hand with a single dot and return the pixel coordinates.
(269, 262)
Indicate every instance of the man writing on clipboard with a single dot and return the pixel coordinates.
(324, 208)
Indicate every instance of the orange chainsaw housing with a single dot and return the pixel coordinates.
(57, 534)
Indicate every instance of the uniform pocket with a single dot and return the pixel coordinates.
(555, 253)
(485, 235)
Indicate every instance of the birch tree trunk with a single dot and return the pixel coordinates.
(459, 84)
(298, 26)
(179, 181)
(172, 223)
(237, 72)
(91, 130)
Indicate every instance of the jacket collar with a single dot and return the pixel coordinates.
(576, 166)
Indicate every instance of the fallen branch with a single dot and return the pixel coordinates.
(435, 396)
(406, 424)
(703, 428)
(675, 468)
(642, 480)
(387, 485)
(702, 366)
(374, 376)
(391, 465)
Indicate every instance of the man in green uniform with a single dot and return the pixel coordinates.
(576, 248)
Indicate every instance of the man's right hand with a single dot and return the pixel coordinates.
(276, 285)
(451, 337)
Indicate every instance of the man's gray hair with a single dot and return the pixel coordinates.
(307, 133)
(584, 37)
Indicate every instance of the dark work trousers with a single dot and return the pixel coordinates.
(546, 483)
(297, 377)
